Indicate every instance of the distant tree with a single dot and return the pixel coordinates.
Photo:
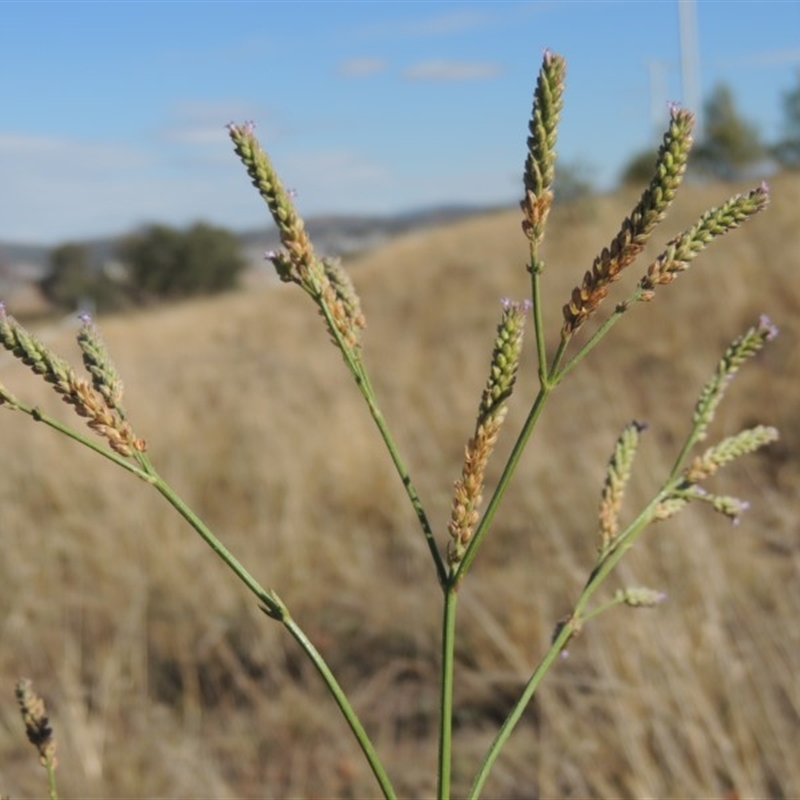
(573, 181)
(166, 263)
(730, 143)
(639, 169)
(573, 188)
(74, 282)
(787, 150)
(69, 278)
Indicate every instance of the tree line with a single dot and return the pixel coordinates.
(730, 144)
(154, 264)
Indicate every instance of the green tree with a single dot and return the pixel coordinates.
(573, 189)
(573, 182)
(638, 170)
(730, 142)
(74, 281)
(167, 263)
(787, 150)
(69, 279)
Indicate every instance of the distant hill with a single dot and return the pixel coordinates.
(332, 235)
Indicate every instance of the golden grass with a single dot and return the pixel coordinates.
(163, 679)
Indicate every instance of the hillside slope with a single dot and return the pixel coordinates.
(164, 679)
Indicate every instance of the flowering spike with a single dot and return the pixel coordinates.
(639, 597)
(87, 401)
(637, 228)
(540, 163)
(729, 449)
(617, 476)
(468, 495)
(98, 363)
(326, 282)
(682, 250)
(744, 347)
(37, 725)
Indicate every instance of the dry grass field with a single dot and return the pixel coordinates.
(164, 680)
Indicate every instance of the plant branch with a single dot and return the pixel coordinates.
(446, 698)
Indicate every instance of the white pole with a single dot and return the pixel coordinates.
(690, 62)
(658, 97)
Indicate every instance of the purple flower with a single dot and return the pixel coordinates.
(767, 327)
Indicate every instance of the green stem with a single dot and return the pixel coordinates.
(344, 706)
(359, 373)
(405, 477)
(502, 485)
(271, 603)
(446, 708)
(599, 334)
(691, 441)
(598, 575)
(604, 568)
(264, 596)
(276, 609)
(516, 713)
(52, 789)
(39, 416)
(536, 269)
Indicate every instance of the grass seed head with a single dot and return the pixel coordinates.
(37, 725)
(639, 597)
(682, 250)
(468, 489)
(290, 225)
(98, 363)
(636, 228)
(729, 449)
(744, 347)
(540, 163)
(617, 477)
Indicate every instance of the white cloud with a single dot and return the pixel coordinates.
(361, 67)
(318, 173)
(53, 157)
(432, 26)
(446, 24)
(56, 189)
(445, 70)
(203, 124)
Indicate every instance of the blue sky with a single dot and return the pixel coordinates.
(113, 114)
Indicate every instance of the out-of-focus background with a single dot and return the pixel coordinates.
(402, 127)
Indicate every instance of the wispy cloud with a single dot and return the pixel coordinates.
(191, 53)
(55, 187)
(58, 156)
(446, 24)
(446, 70)
(203, 125)
(766, 58)
(361, 67)
(341, 170)
(456, 22)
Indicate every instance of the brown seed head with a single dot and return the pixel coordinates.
(637, 228)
